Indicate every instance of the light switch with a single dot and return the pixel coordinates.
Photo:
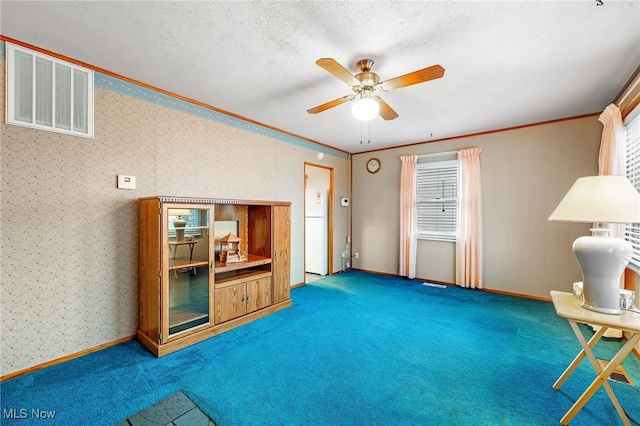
(126, 182)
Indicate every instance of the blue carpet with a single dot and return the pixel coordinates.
(354, 349)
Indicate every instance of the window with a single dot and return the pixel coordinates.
(48, 94)
(632, 127)
(437, 187)
(196, 222)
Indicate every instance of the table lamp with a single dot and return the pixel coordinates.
(179, 224)
(601, 200)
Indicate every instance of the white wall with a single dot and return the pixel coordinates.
(525, 174)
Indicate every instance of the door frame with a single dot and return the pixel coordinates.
(329, 218)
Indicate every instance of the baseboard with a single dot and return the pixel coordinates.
(66, 358)
(524, 296)
(508, 293)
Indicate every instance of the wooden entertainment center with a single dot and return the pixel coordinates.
(186, 293)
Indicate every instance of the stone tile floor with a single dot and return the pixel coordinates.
(176, 410)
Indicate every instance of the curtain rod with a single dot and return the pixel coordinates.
(438, 154)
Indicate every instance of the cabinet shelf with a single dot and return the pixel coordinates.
(186, 264)
(252, 260)
(255, 267)
(184, 320)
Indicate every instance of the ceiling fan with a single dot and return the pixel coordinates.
(366, 83)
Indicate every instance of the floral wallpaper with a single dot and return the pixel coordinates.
(69, 255)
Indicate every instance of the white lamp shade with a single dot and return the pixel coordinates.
(365, 109)
(603, 199)
(179, 212)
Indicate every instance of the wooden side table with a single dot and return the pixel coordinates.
(174, 245)
(568, 307)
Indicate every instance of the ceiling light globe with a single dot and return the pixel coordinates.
(365, 109)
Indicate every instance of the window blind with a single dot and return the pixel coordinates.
(196, 223)
(632, 127)
(437, 194)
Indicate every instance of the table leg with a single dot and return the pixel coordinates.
(175, 248)
(602, 376)
(191, 257)
(578, 359)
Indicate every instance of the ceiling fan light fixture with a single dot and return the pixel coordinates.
(365, 109)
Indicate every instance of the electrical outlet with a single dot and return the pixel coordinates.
(356, 255)
(344, 254)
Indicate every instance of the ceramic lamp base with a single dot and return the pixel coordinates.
(179, 224)
(602, 260)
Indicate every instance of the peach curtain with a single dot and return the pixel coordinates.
(469, 232)
(612, 161)
(612, 157)
(408, 216)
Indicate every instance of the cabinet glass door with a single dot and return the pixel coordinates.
(187, 274)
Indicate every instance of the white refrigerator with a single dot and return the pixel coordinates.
(316, 231)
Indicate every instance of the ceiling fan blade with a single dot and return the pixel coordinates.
(331, 104)
(420, 76)
(338, 70)
(386, 111)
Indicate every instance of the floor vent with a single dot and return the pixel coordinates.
(619, 374)
(435, 285)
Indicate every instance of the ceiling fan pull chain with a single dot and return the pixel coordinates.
(369, 141)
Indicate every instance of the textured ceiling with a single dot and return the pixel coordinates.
(507, 63)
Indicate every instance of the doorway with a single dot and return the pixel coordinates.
(318, 217)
